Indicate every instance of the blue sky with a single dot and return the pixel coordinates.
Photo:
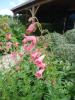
(3, 4)
(6, 5)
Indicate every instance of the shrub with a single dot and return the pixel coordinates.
(70, 36)
(4, 25)
(60, 47)
(67, 52)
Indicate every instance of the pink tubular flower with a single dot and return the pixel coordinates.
(31, 28)
(28, 48)
(31, 38)
(8, 36)
(34, 55)
(39, 60)
(8, 45)
(42, 65)
(39, 73)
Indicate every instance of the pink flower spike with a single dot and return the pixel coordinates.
(28, 48)
(39, 73)
(31, 38)
(39, 60)
(31, 28)
(42, 65)
(35, 55)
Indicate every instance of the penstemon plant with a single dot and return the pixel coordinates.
(35, 74)
(37, 57)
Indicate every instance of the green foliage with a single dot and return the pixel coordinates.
(10, 25)
(23, 85)
(4, 25)
(61, 46)
(58, 82)
(67, 52)
(17, 29)
(70, 35)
